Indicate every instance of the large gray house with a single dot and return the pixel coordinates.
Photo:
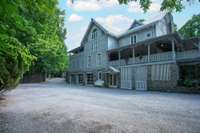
(147, 56)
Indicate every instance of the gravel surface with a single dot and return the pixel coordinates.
(55, 107)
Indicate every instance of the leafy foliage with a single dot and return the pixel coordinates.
(169, 5)
(191, 27)
(31, 36)
(15, 59)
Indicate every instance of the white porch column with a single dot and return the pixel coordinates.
(149, 52)
(173, 50)
(133, 55)
(119, 55)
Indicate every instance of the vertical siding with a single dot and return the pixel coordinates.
(140, 36)
(160, 72)
(112, 43)
(126, 77)
(93, 47)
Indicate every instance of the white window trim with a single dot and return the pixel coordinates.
(99, 74)
(134, 41)
(99, 61)
(89, 61)
(94, 34)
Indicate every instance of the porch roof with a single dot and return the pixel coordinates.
(150, 41)
(112, 69)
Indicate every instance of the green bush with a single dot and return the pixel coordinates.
(189, 83)
(15, 60)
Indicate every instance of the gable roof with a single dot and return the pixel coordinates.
(146, 24)
(94, 22)
(133, 28)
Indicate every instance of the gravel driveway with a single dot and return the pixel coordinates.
(55, 107)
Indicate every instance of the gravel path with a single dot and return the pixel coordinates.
(55, 107)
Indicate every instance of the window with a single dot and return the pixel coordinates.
(148, 34)
(133, 39)
(89, 61)
(80, 78)
(100, 75)
(99, 59)
(89, 78)
(94, 34)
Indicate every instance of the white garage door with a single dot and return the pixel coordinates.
(141, 78)
(126, 77)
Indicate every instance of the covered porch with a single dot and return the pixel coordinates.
(164, 48)
(112, 77)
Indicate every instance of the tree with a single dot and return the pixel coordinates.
(31, 39)
(15, 58)
(169, 5)
(191, 28)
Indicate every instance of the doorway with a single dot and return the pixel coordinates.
(113, 80)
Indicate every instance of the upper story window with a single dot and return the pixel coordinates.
(99, 59)
(94, 34)
(133, 39)
(89, 61)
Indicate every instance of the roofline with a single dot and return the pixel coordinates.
(73, 50)
(138, 28)
(93, 21)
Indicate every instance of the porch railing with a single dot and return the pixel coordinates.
(161, 57)
(167, 56)
(144, 59)
(187, 54)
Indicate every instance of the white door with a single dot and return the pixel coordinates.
(141, 78)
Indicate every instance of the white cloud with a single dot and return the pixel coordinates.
(85, 6)
(115, 23)
(136, 8)
(92, 5)
(74, 38)
(75, 18)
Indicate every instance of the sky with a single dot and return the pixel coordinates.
(115, 17)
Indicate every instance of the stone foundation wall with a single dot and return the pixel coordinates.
(164, 85)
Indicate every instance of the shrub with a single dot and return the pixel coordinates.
(15, 60)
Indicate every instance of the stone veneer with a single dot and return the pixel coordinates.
(164, 85)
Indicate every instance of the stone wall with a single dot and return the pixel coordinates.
(164, 85)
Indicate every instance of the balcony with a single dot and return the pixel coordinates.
(166, 56)
(188, 54)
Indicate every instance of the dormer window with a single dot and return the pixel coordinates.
(94, 34)
(133, 39)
